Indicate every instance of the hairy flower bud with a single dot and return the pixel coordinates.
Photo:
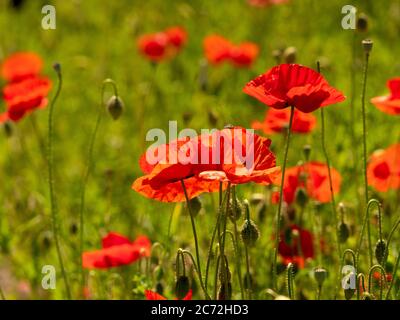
(195, 206)
(301, 197)
(225, 291)
(250, 233)
(182, 287)
(380, 251)
(235, 209)
(344, 232)
(362, 22)
(115, 107)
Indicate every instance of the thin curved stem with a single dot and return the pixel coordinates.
(279, 213)
(85, 179)
(198, 273)
(196, 243)
(360, 277)
(53, 198)
(289, 280)
(382, 272)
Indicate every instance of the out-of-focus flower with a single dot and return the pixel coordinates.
(217, 50)
(383, 170)
(163, 45)
(293, 85)
(389, 104)
(264, 3)
(21, 65)
(277, 120)
(117, 250)
(314, 178)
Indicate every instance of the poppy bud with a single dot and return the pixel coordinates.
(8, 129)
(367, 45)
(57, 67)
(225, 291)
(289, 55)
(349, 293)
(115, 106)
(195, 206)
(182, 287)
(249, 233)
(307, 151)
(301, 197)
(46, 239)
(235, 209)
(73, 228)
(158, 272)
(380, 251)
(362, 23)
(320, 274)
(16, 4)
(344, 232)
(291, 213)
(277, 54)
(224, 273)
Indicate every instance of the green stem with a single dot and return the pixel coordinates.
(289, 280)
(382, 272)
(365, 127)
(85, 179)
(278, 214)
(396, 266)
(237, 258)
(196, 243)
(53, 199)
(248, 277)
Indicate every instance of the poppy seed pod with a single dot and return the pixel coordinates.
(367, 45)
(362, 22)
(289, 55)
(344, 232)
(249, 233)
(195, 206)
(380, 251)
(320, 274)
(235, 209)
(301, 197)
(182, 287)
(115, 107)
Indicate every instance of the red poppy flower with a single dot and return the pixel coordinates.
(151, 295)
(314, 177)
(263, 3)
(299, 246)
(294, 85)
(25, 96)
(377, 276)
(177, 36)
(162, 45)
(21, 65)
(277, 120)
(234, 154)
(218, 49)
(384, 169)
(391, 103)
(117, 250)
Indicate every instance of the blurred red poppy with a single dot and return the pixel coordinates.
(277, 120)
(391, 103)
(296, 247)
(217, 49)
(314, 178)
(232, 155)
(21, 65)
(162, 45)
(25, 96)
(263, 3)
(383, 170)
(117, 250)
(151, 295)
(288, 85)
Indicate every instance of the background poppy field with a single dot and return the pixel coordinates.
(96, 40)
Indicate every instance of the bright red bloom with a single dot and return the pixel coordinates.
(21, 65)
(25, 96)
(264, 3)
(294, 85)
(162, 45)
(116, 251)
(298, 247)
(277, 120)
(151, 295)
(314, 178)
(391, 103)
(383, 170)
(218, 49)
(378, 276)
(232, 155)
